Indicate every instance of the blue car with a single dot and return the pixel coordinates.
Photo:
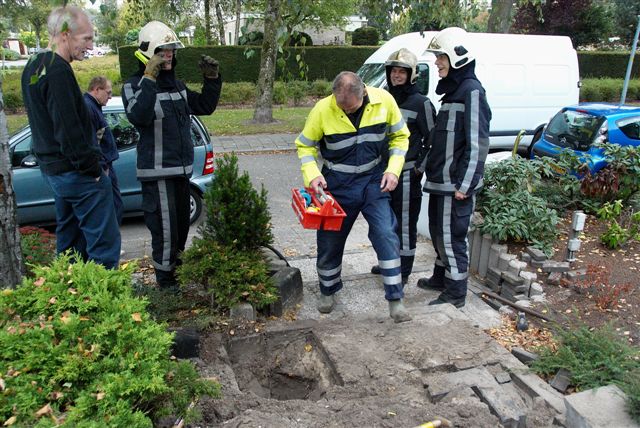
(578, 127)
(34, 198)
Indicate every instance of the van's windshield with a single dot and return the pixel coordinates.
(573, 129)
(375, 75)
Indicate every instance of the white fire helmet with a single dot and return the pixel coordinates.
(453, 42)
(156, 35)
(403, 58)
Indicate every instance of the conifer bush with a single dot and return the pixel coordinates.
(78, 350)
(237, 214)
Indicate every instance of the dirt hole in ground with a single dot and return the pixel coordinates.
(291, 365)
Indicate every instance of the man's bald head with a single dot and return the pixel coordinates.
(349, 91)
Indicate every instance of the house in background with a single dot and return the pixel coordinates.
(333, 35)
(15, 45)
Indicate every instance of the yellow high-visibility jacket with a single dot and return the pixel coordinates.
(347, 149)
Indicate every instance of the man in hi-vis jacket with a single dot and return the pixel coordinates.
(351, 129)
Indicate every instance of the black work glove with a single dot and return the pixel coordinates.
(209, 67)
(153, 66)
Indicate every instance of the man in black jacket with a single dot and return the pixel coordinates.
(64, 142)
(159, 105)
(455, 164)
(419, 115)
(98, 95)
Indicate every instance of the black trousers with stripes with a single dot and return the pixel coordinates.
(406, 200)
(166, 213)
(448, 225)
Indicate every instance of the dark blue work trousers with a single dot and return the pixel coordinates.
(86, 219)
(117, 198)
(360, 194)
(448, 225)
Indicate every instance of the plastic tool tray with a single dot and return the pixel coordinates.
(313, 214)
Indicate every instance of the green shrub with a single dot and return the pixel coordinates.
(320, 88)
(38, 247)
(594, 358)
(508, 204)
(280, 93)
(590, 91)
(365, 36)
(238, 93)
(237, 215)
(227, 275)
(10, 55)
(77, 341)
(297, 91)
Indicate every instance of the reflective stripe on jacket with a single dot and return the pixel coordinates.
(347, 149)
(460, 142)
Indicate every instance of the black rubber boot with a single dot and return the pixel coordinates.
(376, 270)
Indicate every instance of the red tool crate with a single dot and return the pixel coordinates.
(329, 217)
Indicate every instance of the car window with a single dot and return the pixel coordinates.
(573, 129)
(373, 74)
(196, 135)
(21, 151)
(124, 132)
(423, 78)
(630, 126)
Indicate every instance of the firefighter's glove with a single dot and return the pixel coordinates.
(209, 67)
(153, 66)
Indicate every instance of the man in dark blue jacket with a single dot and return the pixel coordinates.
(455, 164)
(97, 96)
(159, 105)
(65, 144)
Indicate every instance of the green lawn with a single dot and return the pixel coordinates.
(227, 121)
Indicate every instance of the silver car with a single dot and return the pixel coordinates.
(34, 198)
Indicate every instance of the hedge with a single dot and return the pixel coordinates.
(607, 64)
(324, 62)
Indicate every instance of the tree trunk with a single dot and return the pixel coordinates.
(207, 21)
(500, 17)
(237, 29)
(264, 101)
(11, 263)
(216, 4)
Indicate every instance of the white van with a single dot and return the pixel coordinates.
(527, 78)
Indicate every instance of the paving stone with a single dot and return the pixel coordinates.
(533, 386)
(515, 266)
(524, 356)
(535, 289)
(288, 280)
(503, 377)
(537, 263)
(600, 407)
(503, 261)
(561, 380)
(576, 275)
(441, 384)
(521, 297)
(506, 403)
(555, 266)
(243, 311)
(536, 254)
(512, 279)
(554, 278)
(526, 257)
(539, 298)
(529, 277)
(494, 254)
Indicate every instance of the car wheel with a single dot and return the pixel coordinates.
(195, 205)
(535, 139)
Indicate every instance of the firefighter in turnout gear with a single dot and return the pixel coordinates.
(419, 115)
(159, 106)
(352, 129)
(454, 165)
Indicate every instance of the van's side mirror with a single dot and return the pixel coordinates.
(29, 161)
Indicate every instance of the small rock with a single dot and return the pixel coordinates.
(536, 254)
(561, 380)
(554, 278)
(503, 377)
(554, 266)
(243, 310)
